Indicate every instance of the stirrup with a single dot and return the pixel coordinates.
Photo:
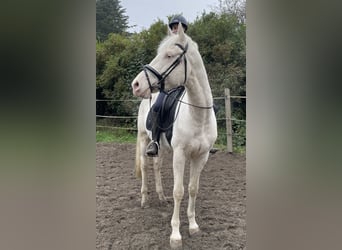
(152, 149)
(213, 150)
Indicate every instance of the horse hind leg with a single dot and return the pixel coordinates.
(196, 166)
(138, 160)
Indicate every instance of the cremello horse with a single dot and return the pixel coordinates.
(178, 62)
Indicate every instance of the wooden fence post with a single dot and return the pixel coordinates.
(228, 121)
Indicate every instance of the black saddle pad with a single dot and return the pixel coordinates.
(167, 112)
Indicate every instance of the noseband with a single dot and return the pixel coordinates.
(161, 77)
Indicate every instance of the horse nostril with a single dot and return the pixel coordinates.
(136, 85)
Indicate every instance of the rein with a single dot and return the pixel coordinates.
(196, 106)
(180, 100)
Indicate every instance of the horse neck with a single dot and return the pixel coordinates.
(198, 88)
(198, 93)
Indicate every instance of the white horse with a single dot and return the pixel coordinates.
(178, 62)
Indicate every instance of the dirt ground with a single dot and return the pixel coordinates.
(122, 224)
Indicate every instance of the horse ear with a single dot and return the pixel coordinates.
(169, 32)
(180, 32)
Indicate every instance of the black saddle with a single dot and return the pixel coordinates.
(167, 114)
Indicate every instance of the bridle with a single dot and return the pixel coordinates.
(161, 77)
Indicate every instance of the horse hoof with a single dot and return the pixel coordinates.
(192, 231)
(175, 244)
(144, 204)
(144, 201)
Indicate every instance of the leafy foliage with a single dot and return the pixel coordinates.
(222, 43)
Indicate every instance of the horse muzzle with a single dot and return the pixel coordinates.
(139, 89)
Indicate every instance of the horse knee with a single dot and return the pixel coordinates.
(178, 193)
(192, 190)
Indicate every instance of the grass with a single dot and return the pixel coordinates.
(126, 136)
(115, 135)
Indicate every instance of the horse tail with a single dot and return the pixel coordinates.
(137, 159)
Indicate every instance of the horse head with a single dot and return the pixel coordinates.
(169, 69)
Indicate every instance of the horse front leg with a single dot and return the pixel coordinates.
(143, 167)
(157, 163)
(178, 192)
(196, 166)
(144, 195)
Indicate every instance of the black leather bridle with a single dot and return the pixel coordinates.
(161, 77)
(160, 85)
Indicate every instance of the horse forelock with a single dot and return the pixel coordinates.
(164, 44)
(171, 40)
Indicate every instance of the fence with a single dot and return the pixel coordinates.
(227, 117)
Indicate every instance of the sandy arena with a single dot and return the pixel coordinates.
(122, 224)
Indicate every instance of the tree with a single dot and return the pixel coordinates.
(221, 38)
(235, 7)
(118, 60)
(110, 18)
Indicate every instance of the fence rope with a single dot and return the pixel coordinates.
(228, 118)
(123, 100)
(117, 117)
(232, 119)
(101, 126)
(135, 129)
(138, 100)
(135, 117)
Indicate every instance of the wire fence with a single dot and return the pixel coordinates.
(230, 129)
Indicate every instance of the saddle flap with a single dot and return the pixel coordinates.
(167, 112)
